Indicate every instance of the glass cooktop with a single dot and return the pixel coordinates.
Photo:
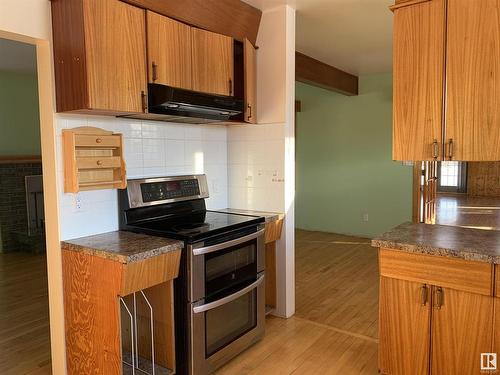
(199, 225)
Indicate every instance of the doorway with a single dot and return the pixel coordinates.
(24, 306)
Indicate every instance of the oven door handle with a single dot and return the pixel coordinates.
(224, 245)
(230, 298)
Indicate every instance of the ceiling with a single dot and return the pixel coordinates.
(352, 35)
(17, 56)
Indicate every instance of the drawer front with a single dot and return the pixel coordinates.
(149, 272)
(84, 140)
(98, 162)
(469, 276)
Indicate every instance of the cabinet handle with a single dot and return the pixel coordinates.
(230, 86)
(249, 111)
(98, 140)
(144, 101)
(450, 148)
(155, 72)
(424, 294)
(99, 162)
(439, 298)
(435, 149)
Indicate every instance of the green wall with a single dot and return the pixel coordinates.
(19, 116)
(344, 166)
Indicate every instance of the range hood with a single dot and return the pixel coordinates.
(166, 103)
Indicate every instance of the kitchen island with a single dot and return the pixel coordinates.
(439, 299)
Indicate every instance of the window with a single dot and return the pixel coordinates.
(452, 176)
(449, 173)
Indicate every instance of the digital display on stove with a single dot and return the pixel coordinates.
(163, 190)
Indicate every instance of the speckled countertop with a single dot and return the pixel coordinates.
(466, 243)
(269, 216)
(123, 247)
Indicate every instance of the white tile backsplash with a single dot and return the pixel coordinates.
(150, 149)
(256, 160)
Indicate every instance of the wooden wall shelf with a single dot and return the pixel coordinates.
(93, 159)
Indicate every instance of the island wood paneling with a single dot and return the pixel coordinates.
(410, 320)
(91, 314)
(496, 330)
(483, 179)
(92, 308)
(419, 39)
(473, 79)
(233, 18)
(317, 73)
(461, 331)
(470, 276)
(497, 283)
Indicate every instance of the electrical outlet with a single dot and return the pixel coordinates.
(78, 202)
(365, 217)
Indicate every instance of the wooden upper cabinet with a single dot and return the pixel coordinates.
(169, 51)
(473, 80)
(212, 63)
(404, 321)
(250, 84)
(419, 39)
(100, 56)
(462, 329)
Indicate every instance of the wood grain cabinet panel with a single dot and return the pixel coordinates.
(213, 62)
(169, 51)
(100, 56)
(250, 78)
(404, 321)
(473, 80)
(419, 37)
(461, 331)
(115, 37)
(496, 328)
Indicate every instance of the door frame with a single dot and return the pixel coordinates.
(51, 195)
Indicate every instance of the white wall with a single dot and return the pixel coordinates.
(261, 158)
(151, 149)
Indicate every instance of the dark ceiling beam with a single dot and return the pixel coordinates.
(233, 18)
(317, 73)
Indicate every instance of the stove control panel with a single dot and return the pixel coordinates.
(147, 192)
(160, 191)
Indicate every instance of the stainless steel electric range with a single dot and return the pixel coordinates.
(219, 294)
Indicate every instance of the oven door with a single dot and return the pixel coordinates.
(224, 263)
(224, 327)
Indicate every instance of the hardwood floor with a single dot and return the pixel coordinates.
(24, 315)
(468, 211)
(334, 330)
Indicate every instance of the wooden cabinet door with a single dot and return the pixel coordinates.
(473, 80)
(404, 322)
(213, 62)
(169, 51)
(461, 330)
(496, 329)
(419, 40)
(115, 44)
(250, 73)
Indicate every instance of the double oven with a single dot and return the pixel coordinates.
(226, 306)
(219, 293)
